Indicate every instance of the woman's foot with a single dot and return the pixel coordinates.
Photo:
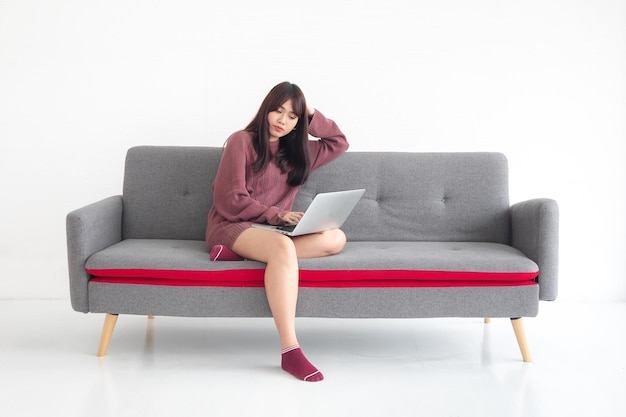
(294, 362)
(222, 253)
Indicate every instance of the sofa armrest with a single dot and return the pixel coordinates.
(535, 231)
(89, 230)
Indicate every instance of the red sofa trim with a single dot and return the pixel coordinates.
(315, 278)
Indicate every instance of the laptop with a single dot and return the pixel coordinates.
(326, 211)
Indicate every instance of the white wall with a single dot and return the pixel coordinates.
(543, 81)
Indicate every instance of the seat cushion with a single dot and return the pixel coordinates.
(360, 264)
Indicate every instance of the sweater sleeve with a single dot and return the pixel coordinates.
(231, 197)
(331, 144)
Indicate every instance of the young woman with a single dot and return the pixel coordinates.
(262, 169)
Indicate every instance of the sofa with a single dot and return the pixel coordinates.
(434, 235)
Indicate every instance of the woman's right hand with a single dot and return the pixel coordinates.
(292, 217)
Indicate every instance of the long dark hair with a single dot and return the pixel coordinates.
(293, 151)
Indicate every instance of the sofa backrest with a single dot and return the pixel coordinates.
(167, 191)
(420, 196)
(409, 196)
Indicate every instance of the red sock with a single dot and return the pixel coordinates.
(294, 362)
(222, 253)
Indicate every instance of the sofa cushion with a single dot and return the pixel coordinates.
(360, 264)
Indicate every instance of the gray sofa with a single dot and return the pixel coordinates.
(433, 236)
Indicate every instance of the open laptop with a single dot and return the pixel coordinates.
(326, 211)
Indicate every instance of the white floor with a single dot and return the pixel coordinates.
(229, 367)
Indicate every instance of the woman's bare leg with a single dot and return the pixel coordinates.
(281, 254)
(281, 276)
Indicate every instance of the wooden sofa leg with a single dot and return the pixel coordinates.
(107, 332)
(520, 334)
(487, 320)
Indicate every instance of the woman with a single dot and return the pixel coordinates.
(262, 169)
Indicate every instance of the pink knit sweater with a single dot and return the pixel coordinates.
(242, 197)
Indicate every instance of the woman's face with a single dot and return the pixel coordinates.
(281, 121)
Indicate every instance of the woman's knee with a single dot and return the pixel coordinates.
(336, 240)
(282, 246)
(264, 245)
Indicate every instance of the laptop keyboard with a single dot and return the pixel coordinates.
(287, 227)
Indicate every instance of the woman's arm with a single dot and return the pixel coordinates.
(332, 142)
(231, 198)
